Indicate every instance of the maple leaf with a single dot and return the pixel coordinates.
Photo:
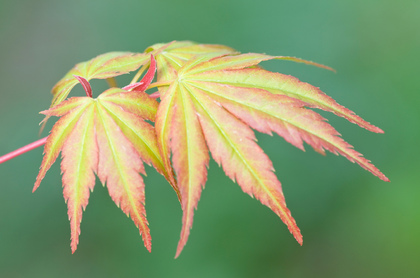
(104, 66)
(172, 56)
(211, 99)
(212, 103)
(110, 137)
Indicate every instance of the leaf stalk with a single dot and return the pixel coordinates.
(139, 73)
(112, 82)
(23, 150)
(160, 84)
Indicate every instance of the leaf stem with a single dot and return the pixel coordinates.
(155, 95)
(85, 84)
(160, 84)
(139, 73)
(112, 82)
(23, 150)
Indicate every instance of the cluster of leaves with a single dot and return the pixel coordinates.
(211, 97)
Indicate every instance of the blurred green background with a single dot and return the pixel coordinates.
(354, 225)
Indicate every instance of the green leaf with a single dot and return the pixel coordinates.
(211, 99)
(80, 160)
(110, 137)
(172, 56)
(101, 67)
(210, 104)
(275, 83)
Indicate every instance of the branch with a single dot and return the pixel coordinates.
(23, 150)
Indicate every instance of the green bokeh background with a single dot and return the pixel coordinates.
(354, 225)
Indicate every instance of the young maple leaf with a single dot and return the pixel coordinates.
(174, 54)
(104, 66)
(211, 104)
(110, 137)
(211, 97)
(171, 56)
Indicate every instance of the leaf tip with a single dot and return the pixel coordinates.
(384, 178)
(377, 130)
(85, 84)
(148, 246)
(299, 239)
(295, 231)
(178, 252)
(38, 180)
(36, 186)
(73, 246)
(183, 240)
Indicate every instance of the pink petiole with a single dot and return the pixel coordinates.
(23, 150)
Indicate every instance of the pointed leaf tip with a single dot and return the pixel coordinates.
(299, 60)
(133, 87)
(148, 77)
(149, 246)
(146, 80)
(300, 240)
(85, 84)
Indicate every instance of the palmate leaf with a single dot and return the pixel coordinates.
(210, 105)
(104, 66)
(110, 137)
(172, 56)
(211, 99)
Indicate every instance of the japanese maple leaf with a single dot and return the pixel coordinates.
(211, 105)
(107, 136)
(171, 56)
(211, 99)
(104, 66)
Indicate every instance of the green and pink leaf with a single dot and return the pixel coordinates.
(212, 100)
(190, 158)
(232, 145)
(110, 137)
(119, 167)
(104, 66)
(211, 97)
(80, 161)
(286, 116)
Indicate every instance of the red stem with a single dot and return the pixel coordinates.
(146, 80)
(23, 150)
(155, 95)
(85, 84)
